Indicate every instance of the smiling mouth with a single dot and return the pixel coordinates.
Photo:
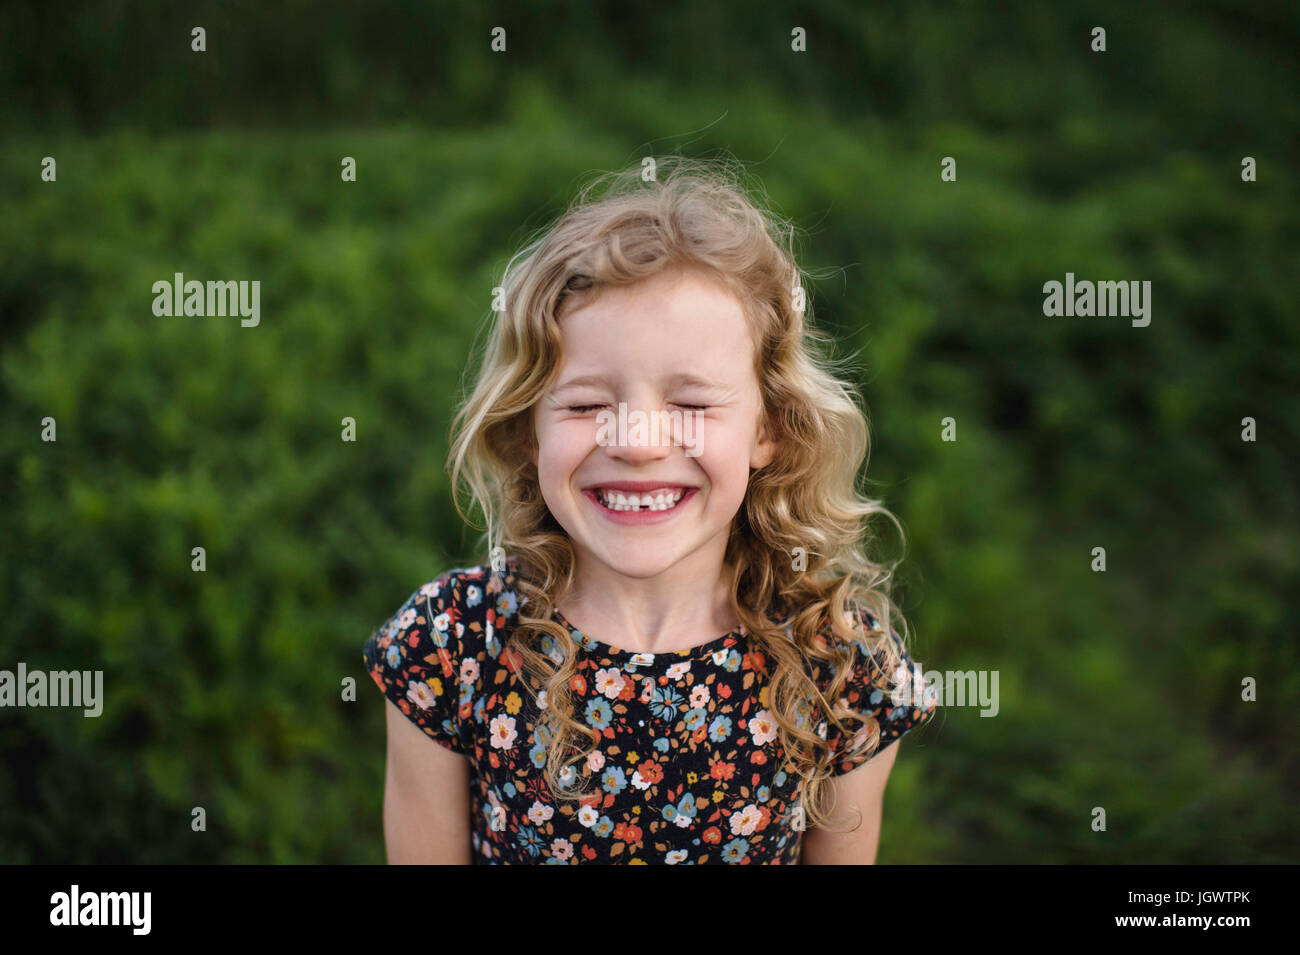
(662, 500)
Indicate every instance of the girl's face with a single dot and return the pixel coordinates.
(675, 342)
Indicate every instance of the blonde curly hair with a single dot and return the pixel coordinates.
(619, 230)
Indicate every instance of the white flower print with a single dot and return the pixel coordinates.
(744, 823)
(421, 694)
(503, 731)
(762, 727)
(610, 682)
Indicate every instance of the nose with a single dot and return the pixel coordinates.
(643, 433)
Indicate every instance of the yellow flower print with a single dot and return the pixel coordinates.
(513, 703)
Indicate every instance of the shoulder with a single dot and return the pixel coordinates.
(865, 636)
(425, 656)
(875, 656)
(449, 616)
(883, 686)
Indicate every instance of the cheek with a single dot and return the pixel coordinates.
(560, 450)
(725, 461)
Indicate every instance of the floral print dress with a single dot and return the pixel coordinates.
(689, 770)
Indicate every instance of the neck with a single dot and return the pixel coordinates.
(685, 606)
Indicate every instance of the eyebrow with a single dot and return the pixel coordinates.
(679, 378)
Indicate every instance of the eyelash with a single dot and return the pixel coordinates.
(593, 407)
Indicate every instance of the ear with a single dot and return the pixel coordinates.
(525, 437)
(765, 449)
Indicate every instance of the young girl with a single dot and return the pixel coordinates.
(678, 651)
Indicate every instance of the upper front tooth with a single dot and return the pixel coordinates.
(661, 499)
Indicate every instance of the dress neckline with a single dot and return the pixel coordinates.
(593, 647)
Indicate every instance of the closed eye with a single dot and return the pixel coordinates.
(584, 408)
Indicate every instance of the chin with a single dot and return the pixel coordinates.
(639, 565)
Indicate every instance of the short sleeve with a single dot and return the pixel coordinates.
(895, 702)
(415, 659)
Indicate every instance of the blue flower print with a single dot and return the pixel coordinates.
(664, 701)
(507, 603)
(685, 808)
(530, 840)
(613, 780)
(538, 755)
(735, 850)
(599, 713)
(801, 710)
(720, 728)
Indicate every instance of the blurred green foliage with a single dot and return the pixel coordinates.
(1119, 690)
